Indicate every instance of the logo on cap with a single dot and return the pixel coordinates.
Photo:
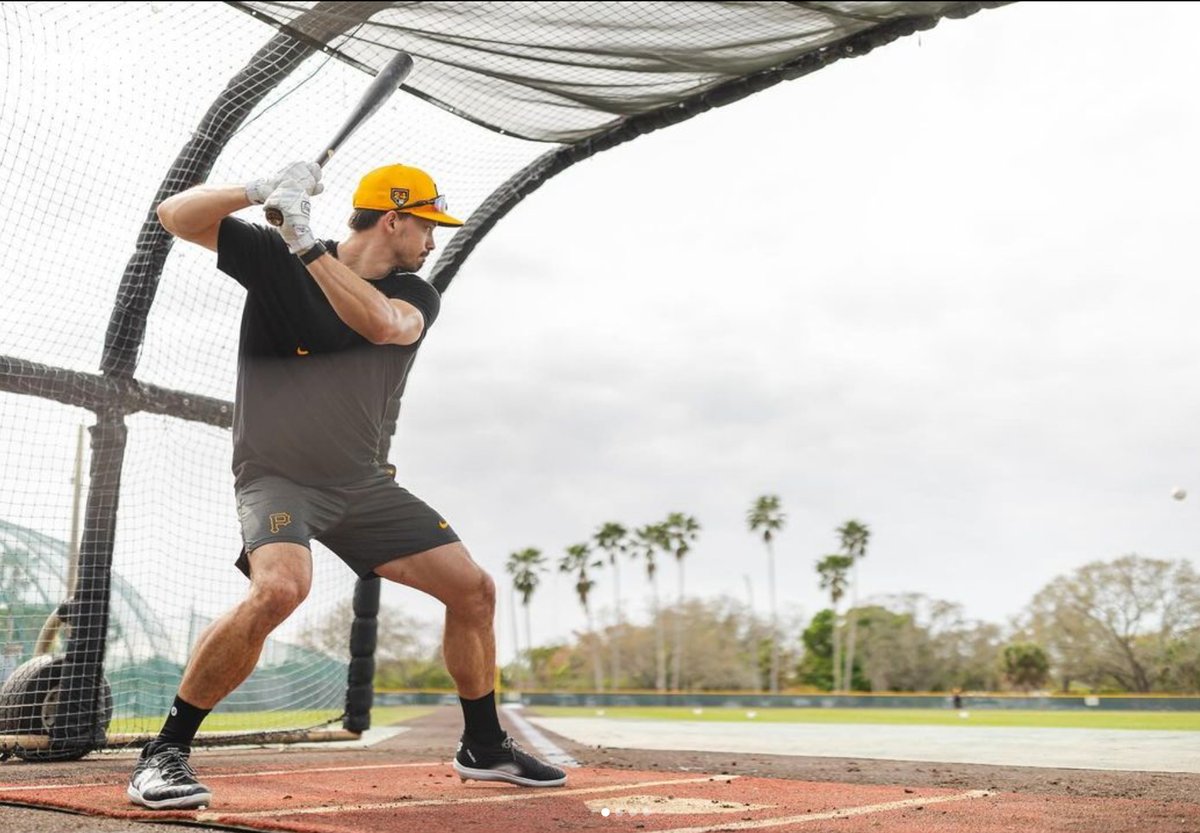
(399, 196)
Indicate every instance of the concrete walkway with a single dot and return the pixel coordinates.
(1149, 751)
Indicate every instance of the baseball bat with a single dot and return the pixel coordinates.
(389, 78)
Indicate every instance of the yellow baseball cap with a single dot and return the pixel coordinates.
(403, 188)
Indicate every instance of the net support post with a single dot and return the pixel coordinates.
(360, 681)
(76, 725)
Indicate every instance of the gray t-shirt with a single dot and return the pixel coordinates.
(311, 392)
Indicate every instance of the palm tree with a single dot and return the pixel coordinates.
(578, 560)
(648, 540)
(614, 540)
(832, 569)
(767, 515)
(854, 537)
(681, 531)
(524, 566)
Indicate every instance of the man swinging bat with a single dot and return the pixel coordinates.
(328, 333)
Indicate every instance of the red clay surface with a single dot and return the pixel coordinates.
(407, 787)
(373, 797)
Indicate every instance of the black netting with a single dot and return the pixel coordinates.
(561, 72)
(106, 109)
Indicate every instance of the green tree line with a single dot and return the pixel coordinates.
(1127, 625)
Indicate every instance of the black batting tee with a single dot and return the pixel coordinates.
(311, 392)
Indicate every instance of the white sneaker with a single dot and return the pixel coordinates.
(164, 780)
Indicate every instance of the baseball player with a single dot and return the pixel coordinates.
(328, 334)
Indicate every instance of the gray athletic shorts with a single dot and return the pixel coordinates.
(367, 523)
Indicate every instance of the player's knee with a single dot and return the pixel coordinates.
(276, 601)
(480, 604)
(488, 594)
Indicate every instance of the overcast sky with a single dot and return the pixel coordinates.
(947, 289)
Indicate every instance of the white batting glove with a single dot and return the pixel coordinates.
(292, 201)
(306, 174)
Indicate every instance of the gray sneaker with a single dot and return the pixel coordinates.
(164, 780)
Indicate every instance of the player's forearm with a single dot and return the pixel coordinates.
(363, 308)
(194, 214)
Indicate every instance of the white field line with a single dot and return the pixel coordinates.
(550, 750)
(529, 795)
(305, 770)
(864, 810)
(4, 789)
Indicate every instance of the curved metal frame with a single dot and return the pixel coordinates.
(115, 393)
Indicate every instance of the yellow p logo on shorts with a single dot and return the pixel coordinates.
(279, 520)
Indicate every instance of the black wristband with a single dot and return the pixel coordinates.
(312, 253)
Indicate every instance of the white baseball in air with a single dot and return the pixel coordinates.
(1179, 493)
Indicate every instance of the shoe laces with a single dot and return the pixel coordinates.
(174, 766)
(523, 757)
(510, 743)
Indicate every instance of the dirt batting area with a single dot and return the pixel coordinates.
(1161, 796)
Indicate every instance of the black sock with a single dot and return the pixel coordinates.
(483, 725)
(181, 725)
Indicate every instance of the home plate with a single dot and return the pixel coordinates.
(644, 805)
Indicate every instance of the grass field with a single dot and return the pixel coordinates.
(250, 721)
(1164, 721)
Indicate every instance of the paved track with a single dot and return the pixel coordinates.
(1136, 751)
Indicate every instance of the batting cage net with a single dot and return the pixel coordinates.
(118, 529)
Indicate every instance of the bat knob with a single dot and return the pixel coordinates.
(274, 215)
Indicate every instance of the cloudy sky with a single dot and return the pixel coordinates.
(947, 289)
